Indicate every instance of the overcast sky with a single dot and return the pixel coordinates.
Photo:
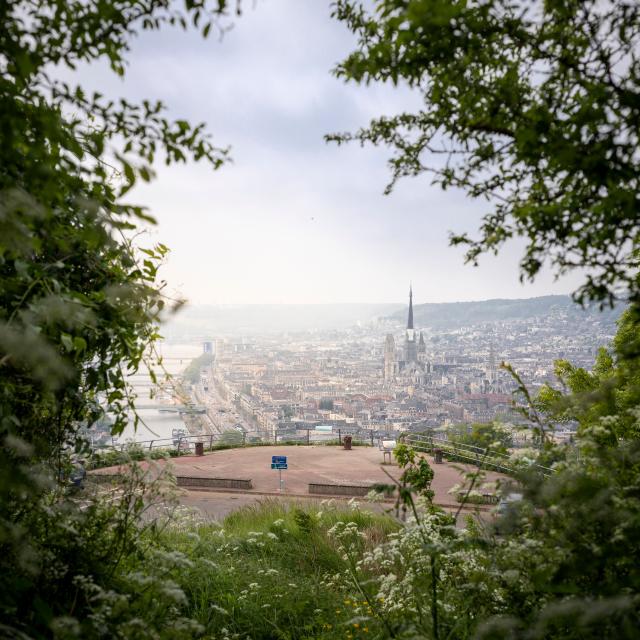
(294, 219)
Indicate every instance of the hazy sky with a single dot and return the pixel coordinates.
(294, 219)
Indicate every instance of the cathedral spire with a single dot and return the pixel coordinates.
(410, 319)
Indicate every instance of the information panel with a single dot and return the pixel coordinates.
(279, 462)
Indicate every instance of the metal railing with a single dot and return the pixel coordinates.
(468, 453)
(186, 443)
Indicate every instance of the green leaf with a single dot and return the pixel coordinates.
(79, 344)
(67, 341)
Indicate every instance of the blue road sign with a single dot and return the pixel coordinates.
(279, 466)
(278, 459)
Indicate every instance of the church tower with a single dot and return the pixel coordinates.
(390, 366)
(492, 369)
(410, 346)
(422, 348)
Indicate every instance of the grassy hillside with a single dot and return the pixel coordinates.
(261, 575)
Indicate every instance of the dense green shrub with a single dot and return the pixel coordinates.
(560, 563)
(68, 558)
(79, 302)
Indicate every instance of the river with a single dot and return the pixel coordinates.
(154, 424)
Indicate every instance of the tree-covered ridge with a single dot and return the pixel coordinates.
(457, 314)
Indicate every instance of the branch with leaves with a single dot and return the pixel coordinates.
(537, 105)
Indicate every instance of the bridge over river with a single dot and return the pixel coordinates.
(174, 408)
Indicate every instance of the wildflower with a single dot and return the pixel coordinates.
(219, 609)
(174, 592)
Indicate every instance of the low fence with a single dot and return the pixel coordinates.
(182, 444)
(477, 498)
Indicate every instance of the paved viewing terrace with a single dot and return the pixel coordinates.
(327, 465)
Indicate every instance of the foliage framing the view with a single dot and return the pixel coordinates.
(608, 395)
(78, 310)
(78, 306)
(532, 106)
(79, 299)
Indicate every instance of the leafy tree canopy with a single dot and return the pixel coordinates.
(287, 411)
(79, 299)
(78, 302)
(326, 404)
(192, 372)
(531, 106)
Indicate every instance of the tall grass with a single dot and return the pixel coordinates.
(261, 573)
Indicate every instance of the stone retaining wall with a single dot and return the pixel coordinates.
(338, 489)
(217, 483)
(182, 481)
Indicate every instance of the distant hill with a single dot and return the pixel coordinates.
(247, 319)
(202, 321)
(458, 314)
